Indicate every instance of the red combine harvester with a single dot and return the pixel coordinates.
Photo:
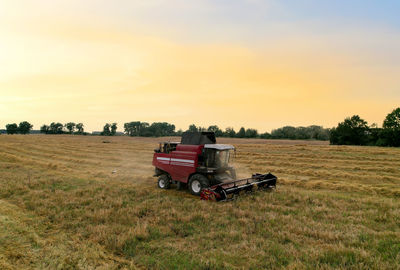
(203, 165)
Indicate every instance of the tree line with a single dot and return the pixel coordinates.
(356, 131)
(352, 131)
(23, 128)
(68, 128)
(161, 129)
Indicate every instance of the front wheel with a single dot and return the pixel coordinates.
(197, 183)
(164, 182)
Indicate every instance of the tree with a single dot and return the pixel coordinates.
(392, 120)
(142, 128)
(319, 133)
(24, 127)
(229, 132)
(12, 128)
(265, 135)
(193, 128)
(301, 133)
(113, 129)
(179, 132)
(251, 133)
(218, 132)
(56, 128)
(160, 129)
(129, 128)
(241, 133)
(286, 132)
(390, 135)
(352, 131)
(135, 128)
(71, 127)
(106, 130)
(45, 129)
(79, 127)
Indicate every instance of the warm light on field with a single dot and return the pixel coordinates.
(92, 202)
(82, 80)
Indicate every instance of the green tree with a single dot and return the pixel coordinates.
(230, 132)
(113, 129)
(318, 133)
(143, 126)
(80, 129)
(135, 128)
(392, 120)
(71, 127)
(352, 131)
(24, 127)
(160, 129)
(286, 132)
(251, 133)
(390, 135)
(129, 129)
(241, 133)
(12, 128)
(214, 128)
(193, 128)
(45, 129)
(56, 128)
(106, 130)
(265, 135)
(301, 133)
(179, 132)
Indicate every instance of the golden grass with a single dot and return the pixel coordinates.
(77, 202)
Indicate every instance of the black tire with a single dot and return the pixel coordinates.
(197, 183)
(164, 182)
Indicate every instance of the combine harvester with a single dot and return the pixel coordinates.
(203, 165)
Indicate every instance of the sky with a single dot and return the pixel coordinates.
(252, 63)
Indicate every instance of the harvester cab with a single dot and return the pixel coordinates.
(204, 166)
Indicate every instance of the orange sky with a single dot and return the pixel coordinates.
(62, 65)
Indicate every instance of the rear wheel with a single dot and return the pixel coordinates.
(164, 181)
(198, 182)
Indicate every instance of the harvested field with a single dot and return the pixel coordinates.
(77, 202)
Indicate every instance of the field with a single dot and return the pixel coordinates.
(77, 202)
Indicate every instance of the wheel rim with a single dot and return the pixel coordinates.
(196, 186)
(162, 183)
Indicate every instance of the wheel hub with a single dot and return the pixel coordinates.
(196, 186)
(162, 183)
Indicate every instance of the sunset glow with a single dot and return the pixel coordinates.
(258, 64)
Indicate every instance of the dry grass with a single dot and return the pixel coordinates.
(61, 206)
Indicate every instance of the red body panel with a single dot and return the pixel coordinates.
(181, 163)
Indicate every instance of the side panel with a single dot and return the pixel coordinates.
(182, 165)
(162, 161)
